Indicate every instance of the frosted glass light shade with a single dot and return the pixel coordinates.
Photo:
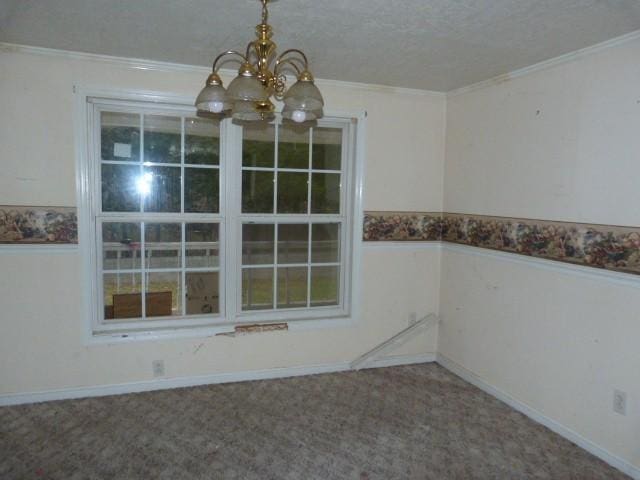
(213, 98)
(246, 89)
(245, 111)
(304, 95)
(293, 114)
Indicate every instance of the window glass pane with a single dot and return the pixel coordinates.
(257, 192)
(120, 246)
(120, 136)
(292, 192)
(162, 245)
(293, 147)
(293, 243)
(327, 148)
(257, 288)
(325, 193)
(257, 244)
(163, 294)
(258, 145)
(120, 188)
(162, 139)
(201, 186)
(324, 286)
(122, 297)
(202, 248)
(325, 242)
(292, 287)
(160, 187)
(202, 293)
(201, 141)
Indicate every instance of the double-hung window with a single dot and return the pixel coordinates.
(197, 222)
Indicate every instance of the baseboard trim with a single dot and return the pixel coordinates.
(193, 381)
(572, 436)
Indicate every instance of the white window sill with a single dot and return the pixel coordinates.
(122, 337)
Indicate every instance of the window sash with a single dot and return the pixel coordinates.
(236, 218)
(181, 320)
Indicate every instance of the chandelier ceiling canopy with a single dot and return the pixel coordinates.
(261, 77)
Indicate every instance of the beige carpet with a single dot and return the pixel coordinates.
(414, 422)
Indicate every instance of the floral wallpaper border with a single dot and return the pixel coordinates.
(402, 226)
(601, 246)
(29, 225)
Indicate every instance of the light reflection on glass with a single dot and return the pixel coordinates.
(143, 183)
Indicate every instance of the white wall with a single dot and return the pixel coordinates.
(41, 320)
(563, 144)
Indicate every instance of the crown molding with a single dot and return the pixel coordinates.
(134, 63)
(372, 87)
(546, 64)
(169, 67)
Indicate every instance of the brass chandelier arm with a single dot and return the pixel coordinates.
(287, 61)
(224, 54)
(250, 50)
(293, 50)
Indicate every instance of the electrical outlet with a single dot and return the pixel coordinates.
(158, 368)
(620, 402)
(413, 318)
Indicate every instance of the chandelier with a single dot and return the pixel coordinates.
(261, 77)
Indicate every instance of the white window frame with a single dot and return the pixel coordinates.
(236, 219)
(230, 224)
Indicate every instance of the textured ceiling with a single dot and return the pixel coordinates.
(429, 44)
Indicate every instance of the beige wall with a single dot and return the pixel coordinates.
(561, 144)
(558, 144)
(41, 321)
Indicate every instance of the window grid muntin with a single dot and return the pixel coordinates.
(143, 217)
(309, 218)
(141, 111)
(310, 171)
(144, 270)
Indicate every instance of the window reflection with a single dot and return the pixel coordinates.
(202, 248)
(201, 141)
(143, 183)
(292, 287)
(162, 139)
(120, 136)
(257, 288)
(164, 191)
(257, 244)
(119, 188)
(121, 246)
(324, 286)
